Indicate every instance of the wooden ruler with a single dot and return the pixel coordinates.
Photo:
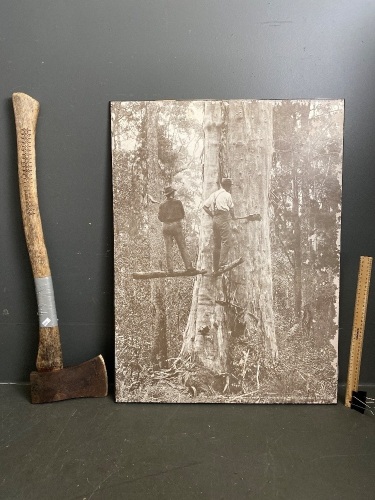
(363, 286)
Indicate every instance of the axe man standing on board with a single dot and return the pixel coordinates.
(171, 214)
(219, 205)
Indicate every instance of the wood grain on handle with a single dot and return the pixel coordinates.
(26, 110)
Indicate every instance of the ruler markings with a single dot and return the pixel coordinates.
(360, 310)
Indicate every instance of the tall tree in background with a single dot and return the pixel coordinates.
(292, 133)
(155, 184)
(241, 133)
(306, 202)
(130, 186)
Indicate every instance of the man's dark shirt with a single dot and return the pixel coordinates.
(171, 210)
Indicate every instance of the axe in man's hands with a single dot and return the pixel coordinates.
(51, 382)
(250, 217)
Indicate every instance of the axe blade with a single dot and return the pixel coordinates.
(87, 380)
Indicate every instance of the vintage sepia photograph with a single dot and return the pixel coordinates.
(227, 222)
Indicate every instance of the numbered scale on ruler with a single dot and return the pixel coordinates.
(353, 398)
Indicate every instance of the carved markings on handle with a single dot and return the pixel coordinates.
(27, 169)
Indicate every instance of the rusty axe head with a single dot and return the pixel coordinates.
(87, 380)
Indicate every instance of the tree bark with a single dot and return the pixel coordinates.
(250, 147)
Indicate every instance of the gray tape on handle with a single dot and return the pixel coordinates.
(46, 302)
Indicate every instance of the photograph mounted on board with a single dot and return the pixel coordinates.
(227, 220)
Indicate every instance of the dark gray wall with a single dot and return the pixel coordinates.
(75, 57)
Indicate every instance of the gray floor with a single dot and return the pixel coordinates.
(83, 449)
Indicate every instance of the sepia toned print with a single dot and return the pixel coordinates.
(227, 233)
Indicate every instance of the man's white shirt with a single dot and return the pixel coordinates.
(219, 200)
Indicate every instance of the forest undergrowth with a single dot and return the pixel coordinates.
(299, 375)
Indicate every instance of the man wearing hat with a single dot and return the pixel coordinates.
(171, 213)
(220, 207)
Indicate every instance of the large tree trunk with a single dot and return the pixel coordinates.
(205, 337)
(248, 288)
(250, 146)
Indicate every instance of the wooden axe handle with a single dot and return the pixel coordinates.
(26, 111)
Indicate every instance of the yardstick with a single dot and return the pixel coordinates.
(360, 309)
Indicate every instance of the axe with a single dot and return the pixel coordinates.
(51, 381)
(250, 217)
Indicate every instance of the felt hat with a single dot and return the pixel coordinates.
(169, 190)
(226, 181)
